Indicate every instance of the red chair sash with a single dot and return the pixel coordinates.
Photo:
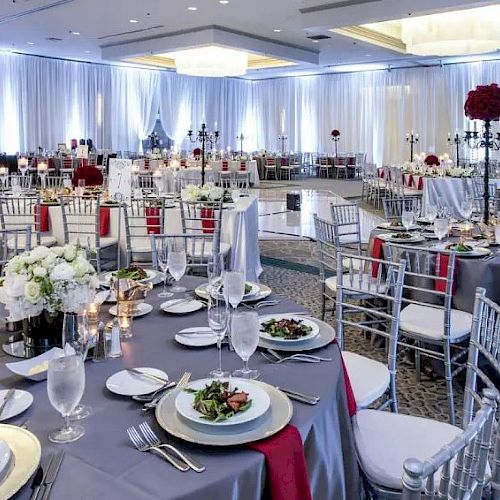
(207, 220)
(153, 220)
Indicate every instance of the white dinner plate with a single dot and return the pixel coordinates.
(24, 367)
(389, 237)
(254, 289)
(184, 307)
(141, 309)
(259, 397)
(264, 291)
(6, 459)
(27, 452)
(326, 336)
(400, 229)
(273, 421)
(204, 339)
(477, 251)
(126, 383)
(20, 402)
(279, 340)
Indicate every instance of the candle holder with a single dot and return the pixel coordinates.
(125, 322)
(205, 138)
(93, 312)
(42, 169)
(457, 141)
(412, 139)
(241, 138)
(22, 164)
(282, 138)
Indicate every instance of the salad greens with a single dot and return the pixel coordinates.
(288, 329)
(132, 272)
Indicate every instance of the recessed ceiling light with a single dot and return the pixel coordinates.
(192, 8)
(133, 21)
(224, 2)
(277, 30)
(75, 32)
(30, 43)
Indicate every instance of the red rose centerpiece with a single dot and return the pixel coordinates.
(91, 175)
(432, 161)
(196, 152)
(335, 133)
(484, 104)
(335, 138)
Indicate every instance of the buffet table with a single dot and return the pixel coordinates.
(104, 464)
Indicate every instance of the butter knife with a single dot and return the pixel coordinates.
(52, 471)
(135, 371)
(8, 396)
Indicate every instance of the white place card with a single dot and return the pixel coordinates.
(82, 151)
(120, 178)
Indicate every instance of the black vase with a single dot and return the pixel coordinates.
(43, 332)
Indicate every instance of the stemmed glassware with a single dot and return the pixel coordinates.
(162, 259)
(245, 338)
(65, 385)
(176, 261)
(22, 164)
(234, 290)
(76, 337)
(467, 208)
(218, 319)
(431, 213)
(407, 218)
(441, 228)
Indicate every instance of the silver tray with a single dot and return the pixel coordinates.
(273, 421)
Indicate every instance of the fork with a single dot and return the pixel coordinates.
(272, 352)
(141, 445)
(282, 360)
(153, 440)
(182, 382)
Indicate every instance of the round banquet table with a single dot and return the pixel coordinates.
(470, 274)
(103, 464)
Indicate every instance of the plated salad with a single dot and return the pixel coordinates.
(132, 272)
(401, 236)
(460, 247)
(217, 403)
(287, 329)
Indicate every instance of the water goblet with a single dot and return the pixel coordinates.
(467, 208)
(234, 290)
(407, 219)
(162, 259)
(441, 228)
(65, 385)
(176, 262)
(245, 337)
(431, 212)
(218, 319)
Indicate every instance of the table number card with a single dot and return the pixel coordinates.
(82, 152)
(120, 178)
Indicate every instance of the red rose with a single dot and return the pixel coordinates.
(432, 161)
(335, 133)
(91, 175)
(483, 103)
(197, 152)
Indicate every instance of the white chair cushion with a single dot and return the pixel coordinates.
(104, 241)
(429, 322)
(385, 440)
(369, 378)
(47, 241)
(207, 249)
(367, 284)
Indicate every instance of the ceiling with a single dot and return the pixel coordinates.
(101, 31)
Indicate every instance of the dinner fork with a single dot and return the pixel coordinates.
(272, 352)
(182, 382)
(153, 440)
(141, 445)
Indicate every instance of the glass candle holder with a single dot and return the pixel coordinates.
(125, 323)
(93, 312)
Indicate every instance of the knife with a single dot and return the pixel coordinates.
(6, 399)
(148, 375)
(36, 483)
(52, 471)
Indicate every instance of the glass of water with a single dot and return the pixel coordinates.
(431, 213)
(218, 319)
(245, 338)
(176, 262)
(467, 208)
(441, 228)
(65, 385)
(234, 287)
(407, 219)
(162, 259)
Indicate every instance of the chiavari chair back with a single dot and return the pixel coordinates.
(13, 242)
(394, 207)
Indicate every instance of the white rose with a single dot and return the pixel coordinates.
(14, 285)
(69, 252)
(49, 260)
(14, 265)
(39, 271)
(32, 292)
(80, 267)
(216, 193)
(62, 271)
(27, 258)
(58, 251)
(40, 252)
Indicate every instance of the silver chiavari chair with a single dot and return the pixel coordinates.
(53, 181)
(347, 226)
(143, 217)
(13, 242)
(24, 181)
(146, 183)
(377, 280)
(17, 213)
(428, 318)
(198, 247)
(81, 218)
(394, 207)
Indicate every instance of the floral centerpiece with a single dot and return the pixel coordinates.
(42, 284)
(155, 154)
(459, 172)
(432, 161)
(209, 192)
(335, 138)
(484, 104)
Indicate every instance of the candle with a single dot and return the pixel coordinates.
(4, 171)
(407, 135)
(416, 136)
(93, 311)
(125, 323)
(42, 167)
(215, 126)
(23, 162)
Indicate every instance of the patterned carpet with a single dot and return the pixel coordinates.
(286, 274)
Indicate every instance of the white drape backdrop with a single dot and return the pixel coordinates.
(47, 101)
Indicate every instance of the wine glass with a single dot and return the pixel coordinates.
(431, 213)
(76, 337)
(65, 385)
(162, 259)
(467, 208)
(176, 261)
(407, 219)
(215, 268)
(245, 337)
(441, 228)
(218, 318)
(234, 287)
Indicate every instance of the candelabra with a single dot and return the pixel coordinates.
(457, 141)
(204, 137)
(411, 139)
(336, 139)
(282, 138)
(241, 138)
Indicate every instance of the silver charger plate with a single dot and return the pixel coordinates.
(264, 291)
(274, 420)
(326, 336)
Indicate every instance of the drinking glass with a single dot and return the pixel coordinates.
(467, 208)
(441, 228)
(176, 262)
(215, 268)
(431, 213)
(76, 336)
(234, 287)
(162, 259)
(218, 318)
(65, 385)
(407, 218)
(245, 337)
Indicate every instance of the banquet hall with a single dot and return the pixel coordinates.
(250, 250)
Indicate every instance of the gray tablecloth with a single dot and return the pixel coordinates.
(471, 273)
(104, 465)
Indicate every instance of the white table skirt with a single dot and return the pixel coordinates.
(239, 229)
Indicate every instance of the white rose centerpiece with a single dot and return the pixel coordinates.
(208, 192)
